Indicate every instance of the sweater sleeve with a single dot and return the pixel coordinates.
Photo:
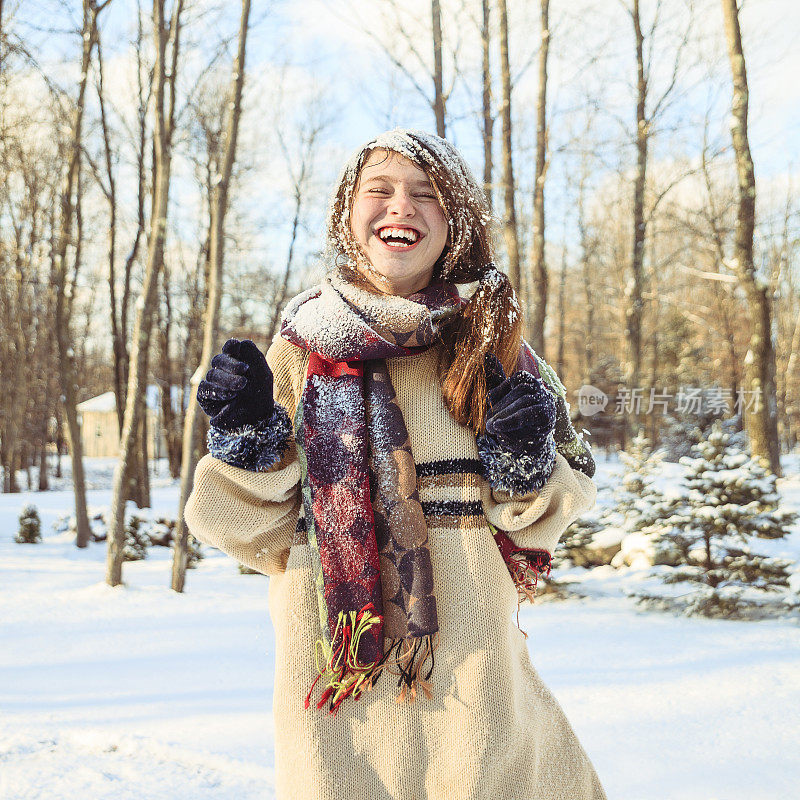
(251, 514)
(537, 520)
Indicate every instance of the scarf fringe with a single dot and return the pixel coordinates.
(525, 574)
(347, 676)
(345, 673)
(410, 657)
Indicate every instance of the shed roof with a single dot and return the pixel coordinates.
(107, 401)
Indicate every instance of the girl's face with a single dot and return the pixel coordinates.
(397, 220)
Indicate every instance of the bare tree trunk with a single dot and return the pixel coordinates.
(280, 295)
(792, 390)
(725, 302)
(137, 483)
(43, 477)
(15, 361)
(588, 282)
(117, 337)
(12, 486)
(510, 233)
(634, 304)
(562, 312)
(652, 379)
(59, 473)
(488, 119)
(171, 418)
(438, 92)
(139, 480)
(300, 188)
(120, 312)
(63, 304)
(218, 209)
(761, 422)
(164, 78)
(537, 310)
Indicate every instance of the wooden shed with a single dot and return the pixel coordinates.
(100, 431)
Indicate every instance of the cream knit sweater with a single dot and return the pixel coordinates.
(493, 729)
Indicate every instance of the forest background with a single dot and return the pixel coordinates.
(165, 169)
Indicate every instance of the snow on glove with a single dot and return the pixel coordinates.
(248, 428)
(237, 390)
(517, 449)
(522, 411)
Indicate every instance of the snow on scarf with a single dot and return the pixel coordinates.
(366, 528)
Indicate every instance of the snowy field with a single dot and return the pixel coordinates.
(138, 693)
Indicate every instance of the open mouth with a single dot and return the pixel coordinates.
(399, 238)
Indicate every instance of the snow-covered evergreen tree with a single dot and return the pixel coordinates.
(30, 526)
(711, 540)
(575, 546)
(639, 503)
(681, 431)
(594, 541)
(194, 552)
(136, 539)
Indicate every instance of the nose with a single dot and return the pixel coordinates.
(401, 204)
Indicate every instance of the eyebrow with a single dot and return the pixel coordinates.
(388, 179)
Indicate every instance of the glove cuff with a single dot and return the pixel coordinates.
(255, 447)
(517, 472)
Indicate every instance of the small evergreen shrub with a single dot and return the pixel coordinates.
(30, 526)
(97, 524)
(194, 553)
(708, 547)
(601, 539)
(575, 547)
(136, 539)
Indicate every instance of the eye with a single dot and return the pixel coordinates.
(377, 190)
(427, 195)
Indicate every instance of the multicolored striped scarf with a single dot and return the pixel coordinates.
(365, 524)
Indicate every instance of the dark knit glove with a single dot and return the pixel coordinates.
(517, 450)
(522, 412)
(237, 390)
(248, 429)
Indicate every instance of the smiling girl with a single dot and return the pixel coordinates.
(402, 466)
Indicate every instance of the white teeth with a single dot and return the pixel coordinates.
(405, 233)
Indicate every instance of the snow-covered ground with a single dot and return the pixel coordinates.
(138, 692)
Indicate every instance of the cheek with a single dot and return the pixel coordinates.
(442, 230)
(356, 225)
(360, 217)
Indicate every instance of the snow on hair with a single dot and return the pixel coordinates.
(490, 322)
(469, 251)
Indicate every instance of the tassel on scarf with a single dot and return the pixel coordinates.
(525, 570)
(524, 565)
(348, 677)
(410, 658)
(345, 673)
(525, 573)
